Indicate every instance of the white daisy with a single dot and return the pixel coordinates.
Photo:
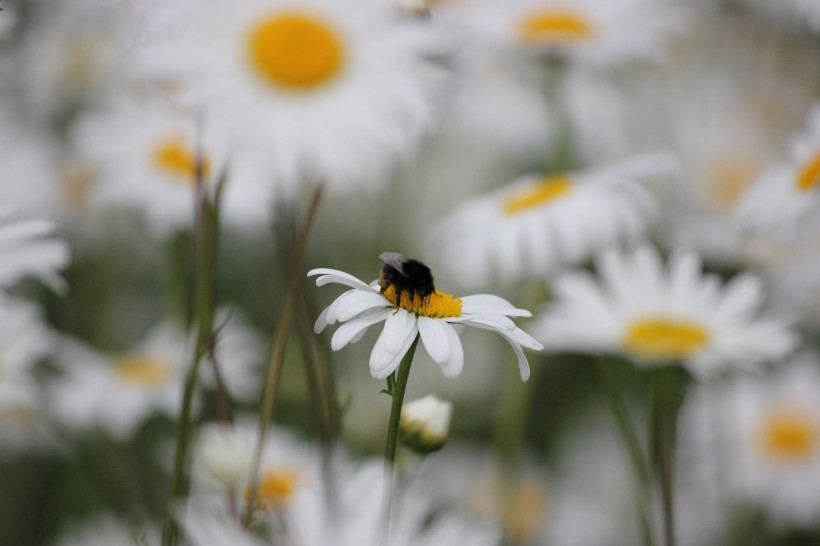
(786, 195)
(27, 249)
(537, 225)
(584, 31)
(658, 315)
(223, 458)
(761, 433)
(433, 318)
(106, 530)
(307, 90)
(24, 340)
(119, 392)
(145, 157)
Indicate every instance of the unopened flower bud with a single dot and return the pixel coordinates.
(425, 424)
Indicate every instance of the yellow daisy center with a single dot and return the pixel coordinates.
(520, 507)
(554, 25)
(77, 181)
(663, 338)
(17, 415)
(809, 175)
(729, 178)
(436, 305)
(146, 371)
(174, 157)
(297, 51)
(544, 191)
(789, 435)
(276, 488)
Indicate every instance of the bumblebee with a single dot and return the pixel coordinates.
(405, 275)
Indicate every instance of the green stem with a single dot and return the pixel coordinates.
(396, 390)
(206, 227)
(633, 446)
(399, 389)
(279, 344)
(665, 402)
(559, 157)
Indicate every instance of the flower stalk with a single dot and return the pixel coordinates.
(665, 400)
(279, 344)
(206, 235)
(633, 447)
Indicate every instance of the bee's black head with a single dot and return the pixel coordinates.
(405, 275)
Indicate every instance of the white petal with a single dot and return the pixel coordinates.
(489, 304)
(395, 328)
(498, 322)
(355, 302)
(434, 336)
(454, 364)
(349, 331)
(321, 322)
(333, 276)
(383, 364)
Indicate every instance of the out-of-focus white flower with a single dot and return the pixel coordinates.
(761, 433)
(425, 423)
(70, 53)
(119, 392)
(786, 194)
(223, 459)
(584, 31)
(314, 92)
(356, 519)
(24, 340)
(106, 531)
(806, 12)
(658, 315)
(145, 157)
(537, 225)
(27, 249)
(432, 317)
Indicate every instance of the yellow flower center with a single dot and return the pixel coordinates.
(789, 435)
(809, 175)
(296, 51)
(277, 487)
(174, 157)
(146, 371)
(729, 177)
(554, 26)
(520, 507)
(544, 191)
(17, 415)
(77, 180)
(436, 305)
(663, 338)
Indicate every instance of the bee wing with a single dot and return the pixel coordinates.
(394, 260)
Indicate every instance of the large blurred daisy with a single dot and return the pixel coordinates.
(434, 318)
(584, 31)
(539, 224)
(765, 431)
(313, 90)
(786, 195)
(657, 315)
(144, 156)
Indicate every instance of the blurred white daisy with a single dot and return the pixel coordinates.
(106, 530)
(28, 249)
(583, 31)
(118, 393)
(785, 196)
(434, 317)
(24, 340)
(223, 458)
(144, 154)
(307, 91)
(765, 432)
(657, 315)
(538, 225)
(354, 520)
